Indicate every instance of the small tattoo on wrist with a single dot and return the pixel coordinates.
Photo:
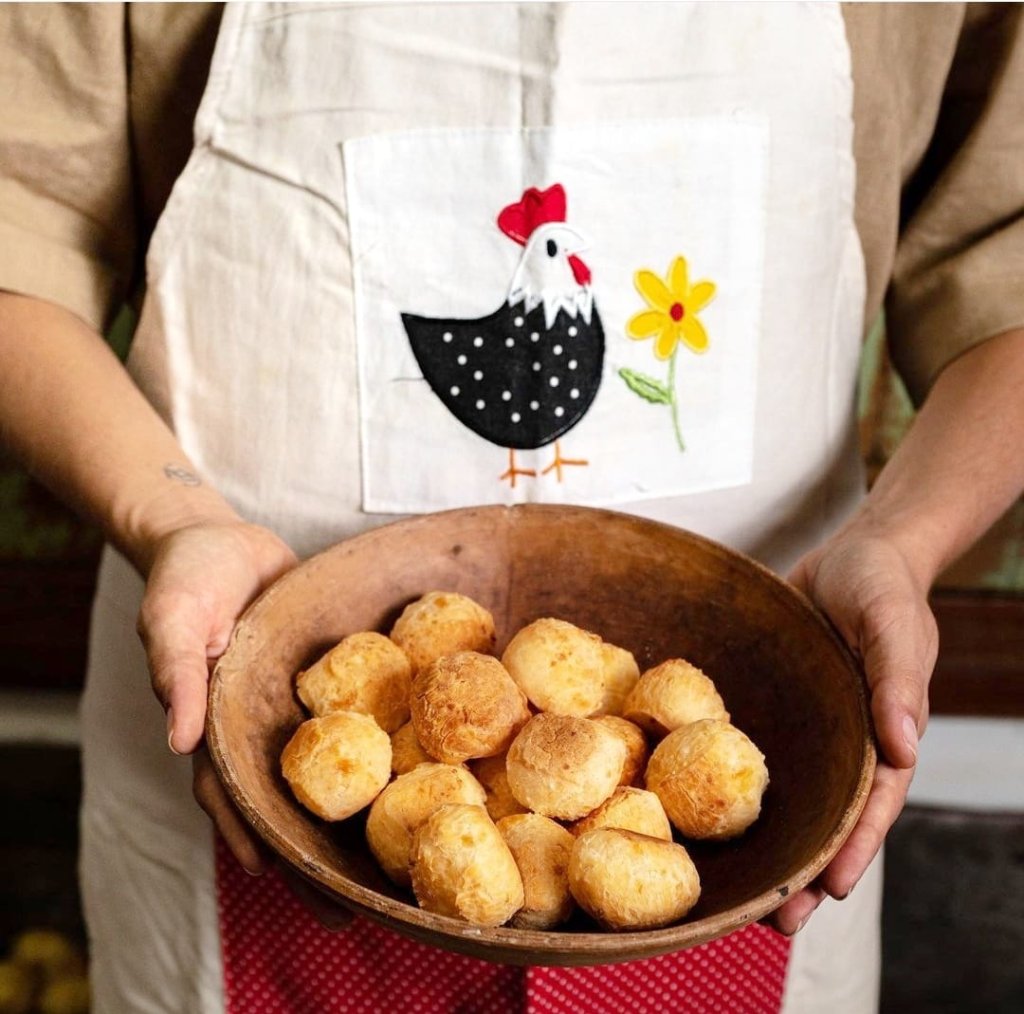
(183, 475)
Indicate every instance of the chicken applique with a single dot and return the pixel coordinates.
(526, 374)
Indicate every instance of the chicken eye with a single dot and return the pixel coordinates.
(552, 248)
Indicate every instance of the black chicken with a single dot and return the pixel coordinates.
(527, 373)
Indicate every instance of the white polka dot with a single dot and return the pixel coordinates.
(478, 374)
(573, 332)
(518, 322)
(515, 417)
(557, 350)
(478, 341)
(535, 405)
(534, 337)
(447, 336)
(559, 411)
(461, 360)
(536, 367)
(509, 342)
(506, 395)
(480, 403)
(572, 364)
(553, 381)
(455, 392)
(574, 393)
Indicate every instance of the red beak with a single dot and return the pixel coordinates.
(579, 270)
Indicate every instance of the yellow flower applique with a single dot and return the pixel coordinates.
(670, 319)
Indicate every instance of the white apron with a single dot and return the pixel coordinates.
(427, 256)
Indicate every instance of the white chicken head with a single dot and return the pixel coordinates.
(549, 270)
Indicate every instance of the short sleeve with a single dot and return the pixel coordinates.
(958, 277)
(67, 223)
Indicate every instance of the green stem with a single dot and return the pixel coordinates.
(672, 392)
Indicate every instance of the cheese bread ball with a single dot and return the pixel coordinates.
(491, 774)
(629, 881)
(408, 801)
(462, 867)
(562, 766)
(442, 623)
(710, 778)
(337, 764)
(559, 666)
(671, 695)
(632, 809)
(406, 750)
(636, 747)
(367, 673)
(466, 705)
(618, 677)
(541, 849)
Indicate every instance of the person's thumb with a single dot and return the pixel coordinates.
(899, 648)
(174, 635)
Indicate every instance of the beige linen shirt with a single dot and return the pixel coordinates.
(97, 103)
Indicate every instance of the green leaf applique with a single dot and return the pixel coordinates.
(649, 388)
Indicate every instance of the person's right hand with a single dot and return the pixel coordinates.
(201, 578)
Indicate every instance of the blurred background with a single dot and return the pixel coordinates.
(954, 903)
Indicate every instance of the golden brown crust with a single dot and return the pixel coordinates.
(462, 867)
(710, 778)
(559, 667)
(442, 623)
(408, 801)
(491, 773)
(562, 766)
(618, 677)
(636, 747)
(541, 849)
(406, 750)
(671, 695)
(631, 809)
(630, 881)
(337, 764)
(466, 706)
(366, 672)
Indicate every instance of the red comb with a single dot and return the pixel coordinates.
(534, 208)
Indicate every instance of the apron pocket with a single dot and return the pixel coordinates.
(558, 314)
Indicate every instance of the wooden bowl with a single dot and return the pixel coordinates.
(786, 677)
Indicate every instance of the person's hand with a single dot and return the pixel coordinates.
(874, 594)
(201, 578)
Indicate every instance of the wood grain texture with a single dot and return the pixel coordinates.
(44, 624)
(980, 669)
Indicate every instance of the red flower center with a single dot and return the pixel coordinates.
(676, 311)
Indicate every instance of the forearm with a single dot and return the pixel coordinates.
(71, 413)
(961, 463)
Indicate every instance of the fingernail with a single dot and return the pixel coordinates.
(170, 732)
(333, 927)
(802, 923)
(910, 734)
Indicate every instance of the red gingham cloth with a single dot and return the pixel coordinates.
(278, 960)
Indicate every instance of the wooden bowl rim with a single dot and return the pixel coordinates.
(521, 945)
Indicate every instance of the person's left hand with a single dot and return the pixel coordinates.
(872, 591)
